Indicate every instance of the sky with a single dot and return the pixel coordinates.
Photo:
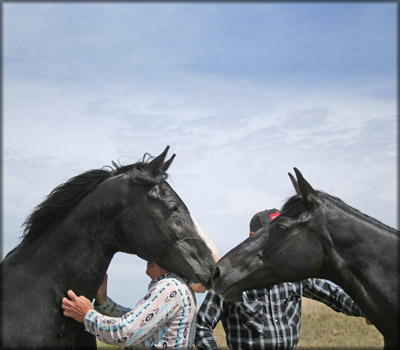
(242, 92)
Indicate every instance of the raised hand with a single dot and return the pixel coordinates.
(76, 307)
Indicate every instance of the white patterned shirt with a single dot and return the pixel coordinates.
(164, 319)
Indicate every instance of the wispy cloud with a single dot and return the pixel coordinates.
(241, 91)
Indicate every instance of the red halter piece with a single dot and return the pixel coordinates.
(271, 217)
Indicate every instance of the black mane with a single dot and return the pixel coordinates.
(355, 212)
(59, 203)
(293, 207)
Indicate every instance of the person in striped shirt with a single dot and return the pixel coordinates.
(163, 319)
(268, 318)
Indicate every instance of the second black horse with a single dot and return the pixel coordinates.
(318, 235)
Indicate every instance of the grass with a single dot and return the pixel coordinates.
(324, 328)
(321, 328)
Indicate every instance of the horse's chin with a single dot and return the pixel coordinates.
(232, 295)
(205, 282)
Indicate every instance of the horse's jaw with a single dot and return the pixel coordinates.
(230, 280)
(179, 260)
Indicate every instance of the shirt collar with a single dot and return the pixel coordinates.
(165, 275)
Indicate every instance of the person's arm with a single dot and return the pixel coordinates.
(111, 308)
(161, 303)
(208, 316)
(332, 295)
(106, 305)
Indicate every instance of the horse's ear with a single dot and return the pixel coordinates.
(294, 182)
(166, 165)
(156, 164)
(304, 187)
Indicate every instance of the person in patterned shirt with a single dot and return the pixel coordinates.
(163, 319)
(268, 318)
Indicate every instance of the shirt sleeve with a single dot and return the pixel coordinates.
(161, 303)
(331, 295)
(111, 308)
(208, 316)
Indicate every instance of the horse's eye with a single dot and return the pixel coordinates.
(172, 206)
(281, 228)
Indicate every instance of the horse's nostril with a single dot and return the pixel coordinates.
(216, 273)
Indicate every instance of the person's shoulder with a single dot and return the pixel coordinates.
(177, 280)
(166, 286)
(212, 295)
(319, 284)
(171, 282)
(214, 298)
(176, 289)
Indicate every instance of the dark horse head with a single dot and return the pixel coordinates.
(70, 239)
(318, 235)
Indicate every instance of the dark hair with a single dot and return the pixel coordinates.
(59, 203)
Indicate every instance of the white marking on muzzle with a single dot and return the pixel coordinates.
(206, 239)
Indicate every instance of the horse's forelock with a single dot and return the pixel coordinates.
(291, 201)
(138, 174)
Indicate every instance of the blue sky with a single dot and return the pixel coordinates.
(242, 92)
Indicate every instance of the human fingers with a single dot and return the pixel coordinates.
(73, 314)
(72, 295)
(66, 303)
(67, 312)
(77, 307)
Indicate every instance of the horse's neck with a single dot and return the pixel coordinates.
(74, 259)
(363, 243)
(361, 257)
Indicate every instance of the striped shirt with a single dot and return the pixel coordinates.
(164, 319)
(269, 318)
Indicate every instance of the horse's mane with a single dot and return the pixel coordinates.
(355, 212)
(290, 205)
(59, 203)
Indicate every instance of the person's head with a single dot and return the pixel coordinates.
(153, 270)
(262, 218)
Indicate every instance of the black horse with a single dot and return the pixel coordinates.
(70, 239)
(318, 235)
